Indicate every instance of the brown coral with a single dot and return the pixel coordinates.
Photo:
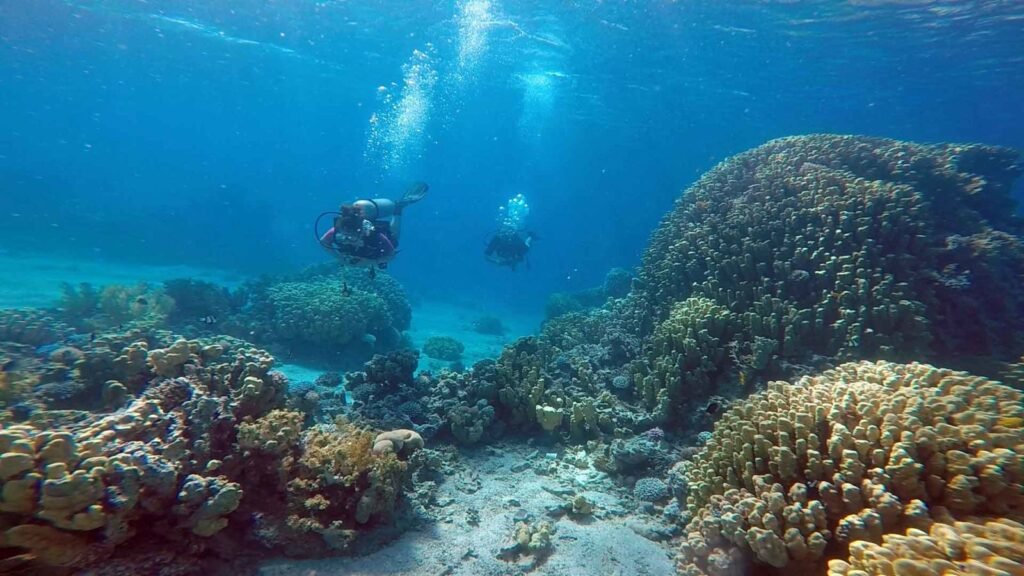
(985, 547)
(53, 547)
(276, 433)
(339, 484)
(860, 451)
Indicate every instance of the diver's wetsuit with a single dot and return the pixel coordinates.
(366, 231)
(378, 246)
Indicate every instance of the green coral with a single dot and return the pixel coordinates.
(528, 397)
(317, 313)
(88, 308)
(443, 348)
(323, 314)
(686, 355)
(848, 247)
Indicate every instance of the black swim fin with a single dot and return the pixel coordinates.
(414, 194)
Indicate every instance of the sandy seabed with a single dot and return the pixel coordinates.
(475, 513)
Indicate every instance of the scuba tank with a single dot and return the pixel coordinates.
(375, 209)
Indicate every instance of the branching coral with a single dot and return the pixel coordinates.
(954, 547)
(342, 482)
(687, 351)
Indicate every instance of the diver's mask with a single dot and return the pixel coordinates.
(350, 226)
(349, 220)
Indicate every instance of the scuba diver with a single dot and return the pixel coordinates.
(511, 242)
(366, 232)
(508, 247)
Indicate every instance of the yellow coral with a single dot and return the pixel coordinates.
(337, 456)
(275, 433)
(1010, 422)
(853, 454)
(991, 547)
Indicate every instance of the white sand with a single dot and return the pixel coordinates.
(456, 320)
(484, 481)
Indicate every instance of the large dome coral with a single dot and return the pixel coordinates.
(853, 247)
(325, 314)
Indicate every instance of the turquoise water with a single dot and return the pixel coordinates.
(229, 127)
(687, 294)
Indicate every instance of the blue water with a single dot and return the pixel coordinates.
(212, 133)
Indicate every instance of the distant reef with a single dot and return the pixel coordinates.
(322, 315)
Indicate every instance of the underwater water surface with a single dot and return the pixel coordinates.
(493, 287)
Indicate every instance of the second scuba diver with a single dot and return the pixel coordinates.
(511, 242)
(366, 232)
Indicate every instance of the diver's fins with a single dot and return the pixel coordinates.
(414, 194)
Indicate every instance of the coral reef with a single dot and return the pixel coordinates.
(330, 484)
(316, 313)
(806, 470)
(87, 308)
(490, 325)
(31, 327)
(464, 402)
(617, 284)
(951, 547)
(685, 355)
(852, 247)
(565, 379)
(200, 451)
(650, 490)
(443, 348)
(127, 448)
(324, 315)
(196, 300)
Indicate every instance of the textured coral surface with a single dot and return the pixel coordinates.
(851, 246)
(807, 470)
